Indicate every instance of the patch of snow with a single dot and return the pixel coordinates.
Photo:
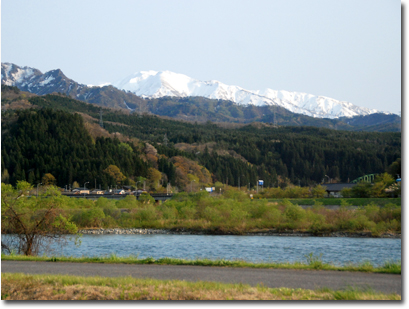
(127, 106)
(46, 81)
(15, 75)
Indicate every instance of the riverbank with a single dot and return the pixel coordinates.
(312, 263)
(272, 232)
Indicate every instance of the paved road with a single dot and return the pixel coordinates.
(274, 278)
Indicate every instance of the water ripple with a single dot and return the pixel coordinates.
(337, 250)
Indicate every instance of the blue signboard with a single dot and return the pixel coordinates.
(261, 182)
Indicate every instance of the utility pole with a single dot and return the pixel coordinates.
(37, 187)
(275, 120)
(165, 140)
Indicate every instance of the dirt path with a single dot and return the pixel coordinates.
(275, 278)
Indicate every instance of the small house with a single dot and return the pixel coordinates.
(334, 189)
(97, 191)
(80, 191)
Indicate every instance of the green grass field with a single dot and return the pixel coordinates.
(63, 287)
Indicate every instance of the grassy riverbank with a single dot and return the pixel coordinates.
(63, 287)
(312, 262)
(232, 212)
(235, 213)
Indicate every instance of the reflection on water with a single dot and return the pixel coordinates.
(337, 250)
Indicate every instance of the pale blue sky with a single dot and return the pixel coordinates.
(344, 49)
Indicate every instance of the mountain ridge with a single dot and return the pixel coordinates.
(32, 80)
(183, 108)
(154, 84)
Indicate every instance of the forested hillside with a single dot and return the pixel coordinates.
(203, 109)
(50, 139)
(47, 141)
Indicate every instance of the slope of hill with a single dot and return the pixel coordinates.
(280, 155)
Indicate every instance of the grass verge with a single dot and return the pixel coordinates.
(312, 263)
(63, 287)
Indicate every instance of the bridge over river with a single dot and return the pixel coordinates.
(157, 197)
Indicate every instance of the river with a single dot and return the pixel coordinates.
(336, 250)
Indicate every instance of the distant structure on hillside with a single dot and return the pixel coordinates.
(274, 121)
(101, 124)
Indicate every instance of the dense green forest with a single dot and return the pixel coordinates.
(56, 142)
(49, 138)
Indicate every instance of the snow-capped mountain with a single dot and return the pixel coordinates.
(32, 80)
(152, 84)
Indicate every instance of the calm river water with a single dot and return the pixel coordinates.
(337, 250)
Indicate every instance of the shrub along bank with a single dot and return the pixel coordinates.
(233, 212)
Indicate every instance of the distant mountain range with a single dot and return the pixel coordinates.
(179, 96)
(152, 84)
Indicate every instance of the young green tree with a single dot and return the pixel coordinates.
(115, 173)
(318, 191)
(395, 168)
(153, 177)
(146, 198)
(346, 192)
(5, 177)
(75, 184)
(48, 180)
(361, 190)
(34, 223)
(382, 182)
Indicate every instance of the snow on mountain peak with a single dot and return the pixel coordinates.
(153, 84)
(14, 74)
